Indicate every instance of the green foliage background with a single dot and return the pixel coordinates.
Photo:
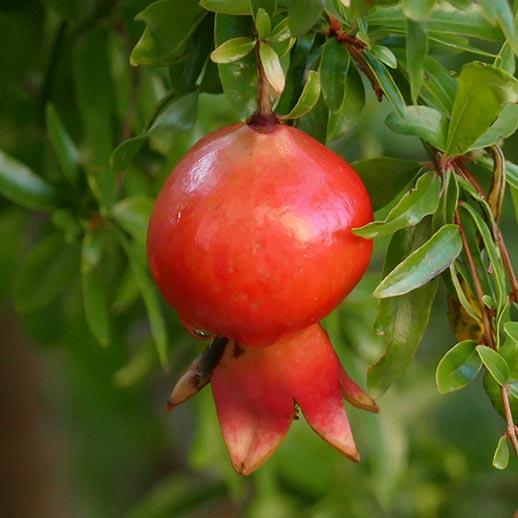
(97, 323)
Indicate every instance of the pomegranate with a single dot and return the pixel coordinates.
(250, 239)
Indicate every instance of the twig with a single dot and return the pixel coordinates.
(488, 335)
(511, 428)
(355, 47)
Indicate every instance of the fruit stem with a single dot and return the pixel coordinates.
(263, 120)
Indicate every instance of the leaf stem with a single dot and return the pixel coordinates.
(264, 89)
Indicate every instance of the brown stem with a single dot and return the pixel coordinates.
(511, 428)
(488, 335)
(355, 47)
(495, 198)
(497, 233)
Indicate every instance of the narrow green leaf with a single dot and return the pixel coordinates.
(505, 59)
(64, 148)
(272, 67)
(387, 83)
(127, 292)
(501, 456)
(498, 272)
(422, 265)
(233, 50)
(344, 119)
(494, 363)
(385, 55)
(44, 274)
(132, 214)
(123, 154)
(95, 305)
(91, 251)
(234, 7)
(401, 320)
(458, 367)
(461, 295)
(420, 121)
(410, 210)
(482, 92)
(416, 52)
(417, 9)
(334, 65)
(239, 79)
(314, 123)
(308, 98)
(302, 15)
(444, 19)
(263, 24)
(385, 177)
(24, 187)
(150, 296)
(501, 12)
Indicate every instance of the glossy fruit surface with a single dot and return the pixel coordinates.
(250, 237)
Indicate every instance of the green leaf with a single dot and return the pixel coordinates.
(234, 7)
(149, 294)
(458, 367)
(504, 126)
(24, 187)
(308, 98)
(272, 67)
(281, 31)
(416, 52)
(44, 274)
(417, 9)
(385, 55)
(401, 320)
(314, 123)
(132, 214)
(127, 292)
(421, 121)
(95, 99)
(494, 363)
(410, 210)
(439, 87)
(334, 65)
(169, 26)
(95, 305)
(123, 154)
(385, 177)
(387, 83)
(482, 92)
(498, 273)
(505, 59)
(239, 80)
(233, 50)
(501, 456)
(423, 264)
(461, 295)
(511, 330)
(343, 120)
(65, 150)
(500, 11)
(444, 19)
(177, 114)
(302, 15)
(91, 251)
(263, 24)
(185, 74)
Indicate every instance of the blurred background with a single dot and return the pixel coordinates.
(83, 430)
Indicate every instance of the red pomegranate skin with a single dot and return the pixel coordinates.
(250, 237)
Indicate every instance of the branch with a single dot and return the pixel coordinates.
(511, 428)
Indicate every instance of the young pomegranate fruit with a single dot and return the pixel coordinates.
(250, 241)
